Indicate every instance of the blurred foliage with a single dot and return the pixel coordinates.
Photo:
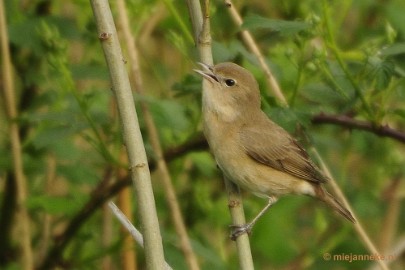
(337, 57)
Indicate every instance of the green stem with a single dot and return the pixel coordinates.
(297, 84)
(328, 74)
(98, 143)
(332, 45)
(179, 20)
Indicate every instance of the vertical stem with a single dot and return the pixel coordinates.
(194, 10)
(238, 217)
(202, 32)
(47, 218)
(140, 173)
(390, 222)
(22, 217)
(332, 45)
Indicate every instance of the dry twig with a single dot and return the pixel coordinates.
(22, 217)
(348, 122)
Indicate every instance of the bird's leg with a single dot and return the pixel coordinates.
(238, 230)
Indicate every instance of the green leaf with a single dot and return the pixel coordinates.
(80, 172)
(24, 34)
(52, 127)
(285, 28)
(53, 205)
(381, 70)
(399, 112)
(204, 163)
(47, 136)
(321, 93)
(29, 32)
(394, 49)
(222, 53)
(190, 84)
(89, 71)
(285, 117)
(169, 114)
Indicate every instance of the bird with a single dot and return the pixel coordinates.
(250, 149)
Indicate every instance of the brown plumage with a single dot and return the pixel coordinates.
(252, 150)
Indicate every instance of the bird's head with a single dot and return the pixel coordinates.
(230, 86)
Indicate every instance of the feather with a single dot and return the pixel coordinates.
(271, 145)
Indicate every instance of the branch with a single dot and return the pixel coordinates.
(135, 233)
(132, 136)
(346, 121)
(22, 218)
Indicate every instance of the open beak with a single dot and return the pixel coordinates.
(207, 72)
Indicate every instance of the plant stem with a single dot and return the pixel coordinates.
(350, 123)
(140, 173)
(22, 217)
(332, 45)
(202, 32)
(179, 19)
(126, 223)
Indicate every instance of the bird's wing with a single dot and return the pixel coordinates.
(273, 146)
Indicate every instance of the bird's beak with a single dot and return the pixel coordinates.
(207, 72)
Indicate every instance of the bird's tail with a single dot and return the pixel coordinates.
(327, 198)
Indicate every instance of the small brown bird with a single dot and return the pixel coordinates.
(250, 149)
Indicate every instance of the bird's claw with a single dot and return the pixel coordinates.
(238, 230)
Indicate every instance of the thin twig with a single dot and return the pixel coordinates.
(22, 218)
(390, 222)
(47, 218)
(170, 193)
(202, 32)
(251, 44)
(128, 253)
(348, 122)
(140, 173)
(332, 45)
(194, 9)
(136, 235)
(235, 205)
(396, 253)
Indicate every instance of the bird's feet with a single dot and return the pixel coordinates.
(238, 230)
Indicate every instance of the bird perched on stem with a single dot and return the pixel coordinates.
(250, 149)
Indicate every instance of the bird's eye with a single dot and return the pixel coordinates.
(230, 82)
